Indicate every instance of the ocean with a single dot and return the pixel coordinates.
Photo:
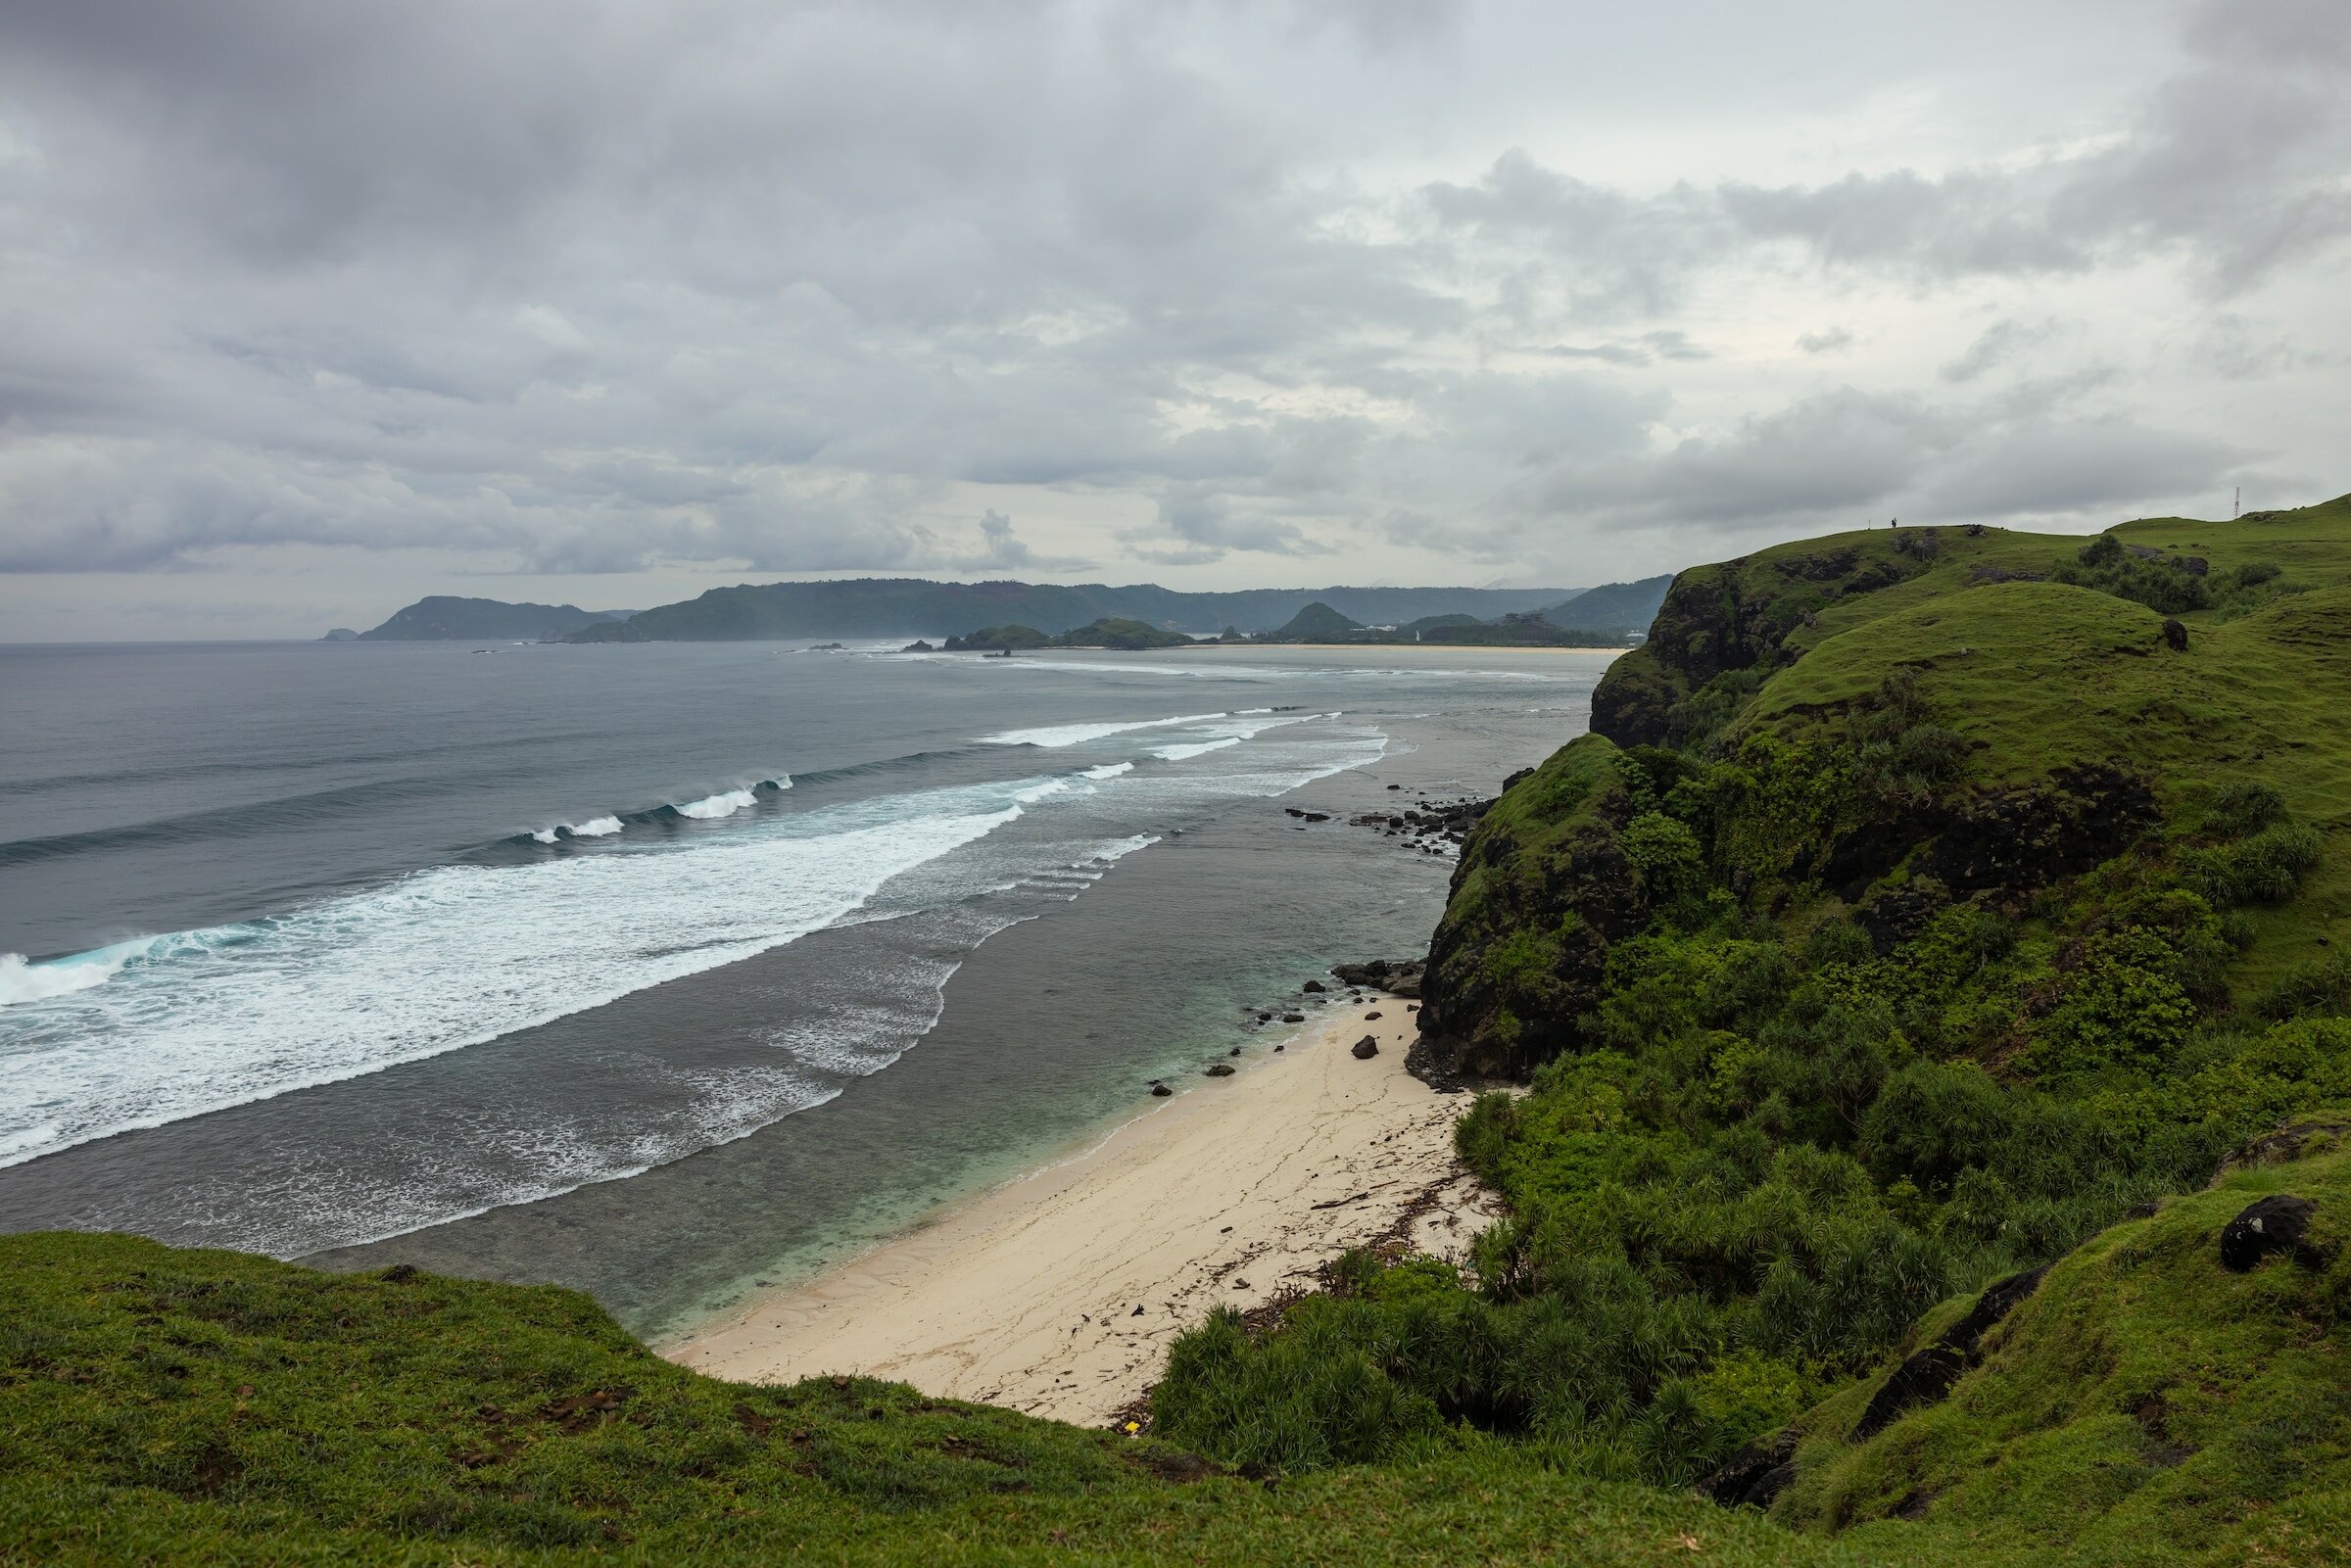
(669, 971)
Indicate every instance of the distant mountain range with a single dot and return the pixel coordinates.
(888, 608)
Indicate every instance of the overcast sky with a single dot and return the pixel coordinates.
(309, 309)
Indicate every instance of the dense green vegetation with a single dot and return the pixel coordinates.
(1922, 906)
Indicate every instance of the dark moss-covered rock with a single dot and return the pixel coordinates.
(2266, 1227)
(1756, 1474)
(2028, 837)
(1927, 1375)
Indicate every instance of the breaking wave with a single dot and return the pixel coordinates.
(1196, 748)
(593, 828)
(1053, 736)
(723, 804)
(171, 1026)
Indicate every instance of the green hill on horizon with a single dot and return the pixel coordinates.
(1316, 623)
(440, 616)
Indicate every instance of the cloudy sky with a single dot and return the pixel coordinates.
(308, 309)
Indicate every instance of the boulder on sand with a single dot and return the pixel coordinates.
(1366, 1048)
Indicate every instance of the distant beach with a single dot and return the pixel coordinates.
(1059, 1293)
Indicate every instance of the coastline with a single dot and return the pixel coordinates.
(1058, 1294)
(1417, 648)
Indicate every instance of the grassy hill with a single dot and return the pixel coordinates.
(1924, 905)
(441, 617)
(1613, 607)
(180, 1407)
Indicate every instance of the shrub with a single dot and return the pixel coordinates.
(2244, 807)
(1837, 942)
(1976, 1212)
(2123, 1006)
(1933, 1121)
(1669, 855)
(1482, 1135)
(2319, 984)
(2263, 869)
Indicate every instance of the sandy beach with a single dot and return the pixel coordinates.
(1058, 1294)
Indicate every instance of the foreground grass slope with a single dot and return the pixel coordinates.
(176, 1407)
(1924, 905)
(2144, 1405)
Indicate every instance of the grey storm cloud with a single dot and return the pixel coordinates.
(588, 286)
(1850, 458)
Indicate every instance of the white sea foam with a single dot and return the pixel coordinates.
(593, 828)
(1196, 748)
(178, 1025)
(1053, 736)
(21, 981)
(724, 804)
(453, 956)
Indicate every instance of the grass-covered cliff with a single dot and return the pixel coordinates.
(1925, 905)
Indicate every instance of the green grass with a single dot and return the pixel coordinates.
(161, 1405)
(2143, 1407)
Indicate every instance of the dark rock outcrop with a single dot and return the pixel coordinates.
(1366, 1048)
(2282, 1143)
(1756, 1473)
(1219, 1070)
(2175, 636)
(2277, 1223)
(1927, 1376)
(1398, 977)
(2019, 839)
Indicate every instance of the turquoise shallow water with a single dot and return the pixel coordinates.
(657, 970)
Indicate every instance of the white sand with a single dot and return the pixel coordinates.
(1234, 1191)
